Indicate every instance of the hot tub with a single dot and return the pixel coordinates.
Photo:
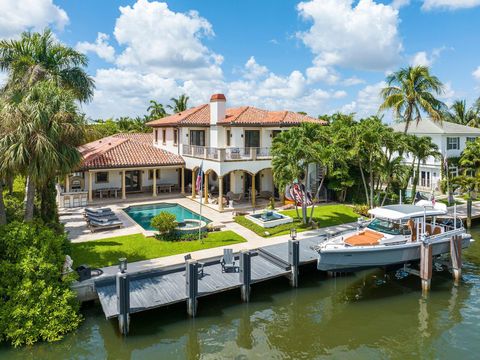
(269, 219)
(189, 226)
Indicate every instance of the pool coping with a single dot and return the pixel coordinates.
(153, 233)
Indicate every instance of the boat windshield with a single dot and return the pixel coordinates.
(388, 227)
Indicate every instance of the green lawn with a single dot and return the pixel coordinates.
(324, 216)
(445, 201)
(105, 252)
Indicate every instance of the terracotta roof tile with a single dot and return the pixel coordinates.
(126, 150)
(246, 115)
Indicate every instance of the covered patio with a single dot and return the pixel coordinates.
(120, 167)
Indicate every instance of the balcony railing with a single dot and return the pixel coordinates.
(226, 154)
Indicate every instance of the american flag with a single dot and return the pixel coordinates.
(198, 184)
(432, 199)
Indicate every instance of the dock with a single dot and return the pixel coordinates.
(166, 286)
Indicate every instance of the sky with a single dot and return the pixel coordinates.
(317, 56)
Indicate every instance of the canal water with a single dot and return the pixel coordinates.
(364, 316)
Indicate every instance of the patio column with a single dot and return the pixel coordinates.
(154, 187)
(183, 181)
(193, 183)
(67, 183)
(124, 194)
(220, 193)
(253, 190)
(205, 188)
(90, 186)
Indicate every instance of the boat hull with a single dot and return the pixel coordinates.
(356, 258)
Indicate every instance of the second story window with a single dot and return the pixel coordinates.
(164, 136)
(453, 143)
(229, 134)
(156, 136)
(175, 137)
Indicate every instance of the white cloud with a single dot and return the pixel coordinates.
(449, 4)
(367, 102)
(99, 47)
(351, 81)
(397, 4)
(421, 58)
(21, 15)
(363, 35)
(253, 70)
(166, 42)
(476, 74)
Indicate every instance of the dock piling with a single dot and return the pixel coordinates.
(426, 262)
(123, 301)
(191, 277)
(456, 256)
(294, 261)
(245, 275)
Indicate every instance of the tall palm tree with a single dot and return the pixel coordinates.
(423, 147)
(156, 110)
(179, 104)
(459, 113)
(470, 158)
(35, 58)
(39, 56)
(410, 92)
(41, 136)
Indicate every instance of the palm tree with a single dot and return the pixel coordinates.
(156, 110)
(410, 92)
(470, 158)
(179, 104)
(422, 148)
(41, 136)
(459, 113)
(36, 57)
(32, 59)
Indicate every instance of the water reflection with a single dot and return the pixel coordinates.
(367, 315)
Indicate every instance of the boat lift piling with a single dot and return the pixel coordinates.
(245, 275)
(294, 261)
(191, 277)
(456, 256)
(123, 297)
(426, 265)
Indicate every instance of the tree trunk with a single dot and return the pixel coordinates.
(10, 185)
(3, 215)
(48, 203)
(29, 199)
(317, 194)
(364, 183)
(415, 181)
(371, 183)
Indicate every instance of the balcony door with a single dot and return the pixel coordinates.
(252, 138)
(197, 137)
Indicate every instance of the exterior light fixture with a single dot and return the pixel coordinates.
(293, 233)
(122, 265)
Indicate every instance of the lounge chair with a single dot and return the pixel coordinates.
(103, 215)
(104, 225)
(100, 211)
(200, 264)
(234, 197)
(228, 261)
(215, 226)
(102, 218)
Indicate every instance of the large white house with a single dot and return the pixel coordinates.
(451, 140)
(232, 145)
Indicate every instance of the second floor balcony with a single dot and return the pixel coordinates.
(227, 154)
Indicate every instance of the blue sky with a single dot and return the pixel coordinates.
(318, 56)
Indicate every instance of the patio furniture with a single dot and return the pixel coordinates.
(103, 218)
(235, 153)
(215, 226)
(200, 264)
(228, 261)
(104, 225)
(234, 197)
(165, 187)
(98, 211)
(265, 195)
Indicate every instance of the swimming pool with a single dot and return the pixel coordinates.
(143, 214)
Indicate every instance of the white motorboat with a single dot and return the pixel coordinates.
(393, 237)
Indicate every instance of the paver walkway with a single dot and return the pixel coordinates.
(78, 232)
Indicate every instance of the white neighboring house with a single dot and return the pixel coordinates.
(451, 140)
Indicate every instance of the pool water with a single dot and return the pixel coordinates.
(143, 214)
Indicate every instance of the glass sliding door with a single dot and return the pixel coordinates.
(197, 137)
(252, 138)
(132, 181)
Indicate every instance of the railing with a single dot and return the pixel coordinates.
(226, 154)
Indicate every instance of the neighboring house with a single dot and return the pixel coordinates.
(451, 140)
(232, 146)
